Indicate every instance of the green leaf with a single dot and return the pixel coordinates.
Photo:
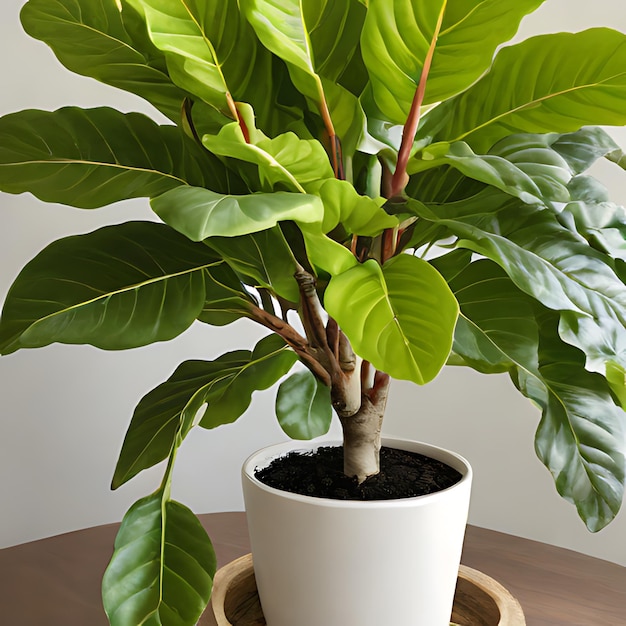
(270, 360)
(359, 215)
(95, 39)
(581, 435)
(262, 260)
(118, 287)
(556, 83)
(400, 317)
(397, 35)
(527, 170)
(226, 298)
(170, 410)
(209, 47)
(583, 148)
(94, 157)
(548, 262)
(161, 573)
(303, 406)
(199, 213)
(317, 40)
(285, 160)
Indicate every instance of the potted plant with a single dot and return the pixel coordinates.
(379, 184)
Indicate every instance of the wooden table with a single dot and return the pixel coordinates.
(56, 581)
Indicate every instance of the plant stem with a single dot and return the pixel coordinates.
(362, 431)
(400, 177)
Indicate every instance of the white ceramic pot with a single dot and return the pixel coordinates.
(323, 562)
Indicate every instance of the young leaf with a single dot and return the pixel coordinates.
(400, 317)
(162, 568)
(554, 85)
(118, 287)
(199, 213)
(95, 39)
(94, 157)
(283, 160)
(303, 406)
(396, 37)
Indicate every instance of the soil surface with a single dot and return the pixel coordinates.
(320, 474)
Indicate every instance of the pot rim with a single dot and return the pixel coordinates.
(264, 456)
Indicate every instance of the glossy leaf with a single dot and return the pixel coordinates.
(581, 435)
(262, 260)
(95, 39)
(270, 360)
(303, 406)
(94, 157)
(317, 40)
(209, 47)
(358, 214)
(531, 172)
(161, 572)
(397, 35)
(548, 262)
(199, 213)
(400, 317)
(170, 410)
(152, 290)
(553, 84)
(283, 160)
(226, 298)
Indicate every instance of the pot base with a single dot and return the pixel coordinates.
(479, 600)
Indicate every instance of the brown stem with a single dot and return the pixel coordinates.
(400, 177)
(292, 338)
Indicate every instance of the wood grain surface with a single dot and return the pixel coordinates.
(56, 581)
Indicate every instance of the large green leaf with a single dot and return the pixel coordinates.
(397, 35)
(399, 317)
(317, 39)
(547, 261)
(118, 287)
(199, 213)
(169, 411)
(94, 157)
(303, 406)
(581, 435)
(262, 260)
(555, 83)
(161, 572)
(95, 39)
(209, 47)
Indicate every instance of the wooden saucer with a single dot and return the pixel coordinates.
(479, 600)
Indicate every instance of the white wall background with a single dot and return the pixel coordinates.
(64, 409)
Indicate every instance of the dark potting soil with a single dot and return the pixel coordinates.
(320, 474)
